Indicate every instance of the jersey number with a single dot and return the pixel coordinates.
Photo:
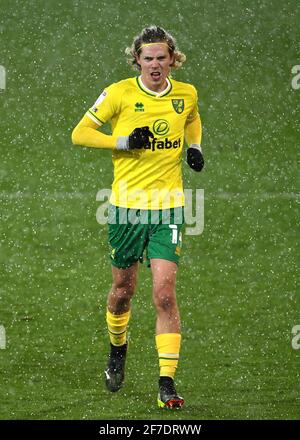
(174, 233)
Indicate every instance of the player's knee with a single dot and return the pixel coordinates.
(165, 300)
(124, 290)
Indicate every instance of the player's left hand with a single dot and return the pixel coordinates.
(194, 157)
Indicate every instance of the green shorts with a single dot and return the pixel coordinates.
(132, 231)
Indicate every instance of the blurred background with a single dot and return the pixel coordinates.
(237, 284)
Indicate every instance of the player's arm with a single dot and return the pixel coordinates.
(193, 135)
(86, 134)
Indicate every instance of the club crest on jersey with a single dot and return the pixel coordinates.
(178, 105)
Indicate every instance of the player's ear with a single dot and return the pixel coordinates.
(137, 59)
(172, 62)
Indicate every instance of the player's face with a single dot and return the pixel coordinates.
(155, 61)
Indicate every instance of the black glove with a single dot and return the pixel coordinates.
(139, 138)
(195, 158)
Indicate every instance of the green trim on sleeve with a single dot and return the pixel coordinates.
(98, 119)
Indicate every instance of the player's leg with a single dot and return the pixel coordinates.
(127, 242)
(117, 317)
(168, 334)
(164, 250)
(164, 296)
(123, 289)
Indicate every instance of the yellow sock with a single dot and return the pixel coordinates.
(117, 327)
(168, 347)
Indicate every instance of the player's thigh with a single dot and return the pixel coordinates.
(164, 282)
(125, 278)
(164, 273)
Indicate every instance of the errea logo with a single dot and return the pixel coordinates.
(139, 107)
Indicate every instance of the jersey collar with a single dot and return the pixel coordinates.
(150, 92)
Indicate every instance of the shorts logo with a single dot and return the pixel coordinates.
(178, 247)
(178, 105)
(178, 251)
(161, 127)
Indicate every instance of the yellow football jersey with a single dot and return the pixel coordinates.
(147, 178)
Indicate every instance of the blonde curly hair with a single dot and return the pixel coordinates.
(154, 34)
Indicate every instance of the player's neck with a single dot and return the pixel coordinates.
(153, 88)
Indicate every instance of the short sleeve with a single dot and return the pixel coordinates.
(106, 106)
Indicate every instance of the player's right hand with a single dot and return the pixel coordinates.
(139, 138)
